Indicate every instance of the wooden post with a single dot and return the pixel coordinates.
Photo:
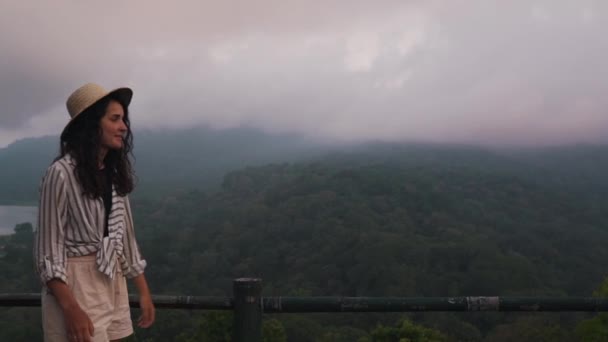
(247, 310)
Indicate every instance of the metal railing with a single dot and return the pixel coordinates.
(249, 305)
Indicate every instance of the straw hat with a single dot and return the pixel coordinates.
(87, 95)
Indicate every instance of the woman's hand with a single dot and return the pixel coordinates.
(147, 311)
(78, 324)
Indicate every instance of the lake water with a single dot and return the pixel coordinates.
(12, 215)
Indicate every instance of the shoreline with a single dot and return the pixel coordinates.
(18, 204)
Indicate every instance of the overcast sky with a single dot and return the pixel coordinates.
(481, 71)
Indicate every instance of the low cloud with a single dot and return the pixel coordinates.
(491, 72)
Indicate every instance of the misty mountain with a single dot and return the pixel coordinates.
(22, 165)
(578, 169)
(164, 161)
(582, 167)
(172, 161)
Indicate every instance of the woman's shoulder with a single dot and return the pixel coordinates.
(62, 166)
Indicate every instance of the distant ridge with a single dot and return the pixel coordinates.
(198, 158)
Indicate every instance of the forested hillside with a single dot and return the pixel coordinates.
(385, 221)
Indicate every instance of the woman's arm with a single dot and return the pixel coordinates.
(49, 246)
(50, 254)
(134, 269)
(77, 322)
(145, 302)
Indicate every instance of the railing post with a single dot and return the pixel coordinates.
(247, 310)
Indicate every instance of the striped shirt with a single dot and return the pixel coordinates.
(72, 224)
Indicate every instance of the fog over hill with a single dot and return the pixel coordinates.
(198, 158)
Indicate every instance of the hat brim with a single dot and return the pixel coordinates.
(123, 94)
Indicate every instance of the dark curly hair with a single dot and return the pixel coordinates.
(82, 141)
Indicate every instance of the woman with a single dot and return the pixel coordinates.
(85, 243)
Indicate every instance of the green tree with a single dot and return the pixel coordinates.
(596, 328)
(406, 331)
(273, 331)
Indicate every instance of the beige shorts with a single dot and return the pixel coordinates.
(105, 300)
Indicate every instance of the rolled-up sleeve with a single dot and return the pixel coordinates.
(49, 244)
(133, 264)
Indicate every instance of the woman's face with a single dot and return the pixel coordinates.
(113, 127)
